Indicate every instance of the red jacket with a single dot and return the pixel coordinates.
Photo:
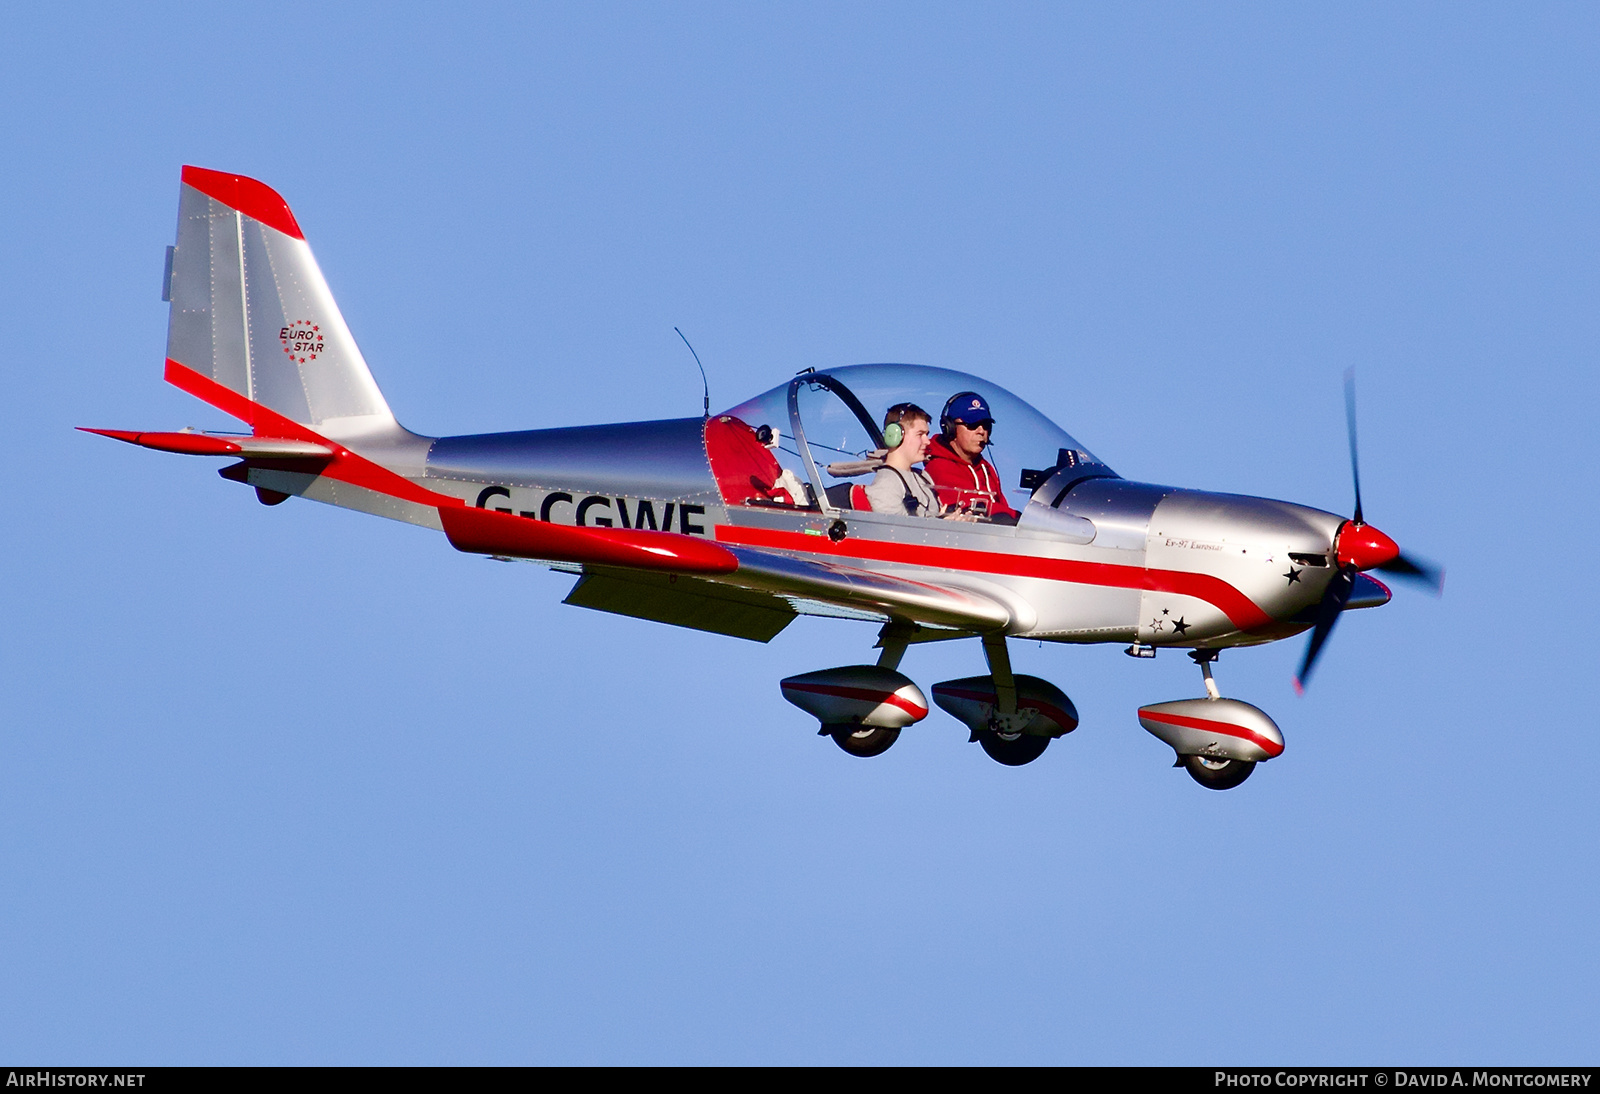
(961, 483)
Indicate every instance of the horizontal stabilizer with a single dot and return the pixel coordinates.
(210, 444)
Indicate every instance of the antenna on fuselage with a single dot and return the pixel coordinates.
(705, 387)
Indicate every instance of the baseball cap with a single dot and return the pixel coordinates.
(968, 408)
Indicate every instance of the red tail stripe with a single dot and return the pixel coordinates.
(254, 199)
(1227, 729)
(892, 698)
(469, 529)
(345, 465)
(1240, 609)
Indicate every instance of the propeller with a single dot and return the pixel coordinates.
(1357, 547)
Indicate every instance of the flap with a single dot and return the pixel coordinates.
(685, 602)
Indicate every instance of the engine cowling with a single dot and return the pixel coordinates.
(971, 700)
(1224, 728)
(858, 695)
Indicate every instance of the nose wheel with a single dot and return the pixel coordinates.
(1216, 773)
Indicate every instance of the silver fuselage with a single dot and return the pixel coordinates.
(1101, 559)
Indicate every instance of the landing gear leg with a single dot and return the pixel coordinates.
(893, 640)
(1004, 739)
(1005, 684)
(1204, 658)
(1214, 772)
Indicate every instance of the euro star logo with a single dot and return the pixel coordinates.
(302, 340)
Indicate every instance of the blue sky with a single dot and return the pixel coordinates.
(296, 785)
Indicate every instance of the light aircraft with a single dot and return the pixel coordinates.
(737, 522)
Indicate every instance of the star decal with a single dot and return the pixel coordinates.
(1179, 626)
(1156, 624)
(1293, 575)
(1166, 611)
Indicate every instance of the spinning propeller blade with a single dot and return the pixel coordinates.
(1416, 571)
(1350, 425)
(1366, 547)
(1333, 602)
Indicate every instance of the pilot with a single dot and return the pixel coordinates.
(960, 474)
(899, 487)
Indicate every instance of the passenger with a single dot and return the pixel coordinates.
(960, 474)
(899, 486)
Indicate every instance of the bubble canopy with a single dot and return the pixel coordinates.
(835, 415)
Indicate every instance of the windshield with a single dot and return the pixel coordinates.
(840, 412)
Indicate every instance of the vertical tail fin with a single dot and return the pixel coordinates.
(251, 311)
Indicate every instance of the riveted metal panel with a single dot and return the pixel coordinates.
(251, 310)
(663, 459)
(289, 300)
(1250, 543)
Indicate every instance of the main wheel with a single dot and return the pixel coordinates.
(1013, 750)
(863, 740)
(1218, 774)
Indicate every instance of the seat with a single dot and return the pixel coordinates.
(849, 495)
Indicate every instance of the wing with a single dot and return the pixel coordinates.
(917, 597)
(678, 579)
(682, 601)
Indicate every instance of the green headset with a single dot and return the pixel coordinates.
(893, 431)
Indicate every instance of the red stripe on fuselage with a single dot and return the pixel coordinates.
(1240, 609)
(1227, 729)
(345, 465)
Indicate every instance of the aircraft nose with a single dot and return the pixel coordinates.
(1363, 547)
